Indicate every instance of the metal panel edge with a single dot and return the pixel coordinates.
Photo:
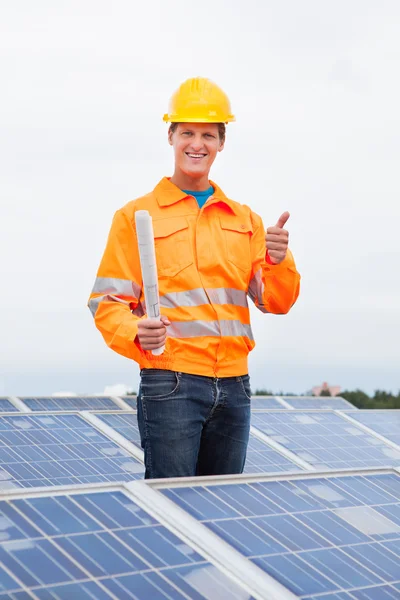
(121, 403)
(281, 449)
(261, 478)
(113, 435)
(60, 490)
(373, 410)
(298, 410)
(283, 402)
(368, 430)
(104, 411)
(18, 403)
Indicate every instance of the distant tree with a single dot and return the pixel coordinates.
(359, 398)
(382, 396)
(263, 392)
(382, 399)
(326, 392)
(379, 400)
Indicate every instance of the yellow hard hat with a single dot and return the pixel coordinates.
(199, 100)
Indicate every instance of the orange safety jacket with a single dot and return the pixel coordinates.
(208, 262)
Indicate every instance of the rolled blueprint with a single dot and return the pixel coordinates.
(145, 235)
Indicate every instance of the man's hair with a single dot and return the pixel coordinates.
(221, 130)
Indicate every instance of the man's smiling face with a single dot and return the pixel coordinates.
(195, 147)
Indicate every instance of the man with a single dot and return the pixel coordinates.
(212, 252)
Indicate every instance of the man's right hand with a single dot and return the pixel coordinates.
(152, 334)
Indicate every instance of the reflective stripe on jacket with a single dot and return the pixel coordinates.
(209, 261)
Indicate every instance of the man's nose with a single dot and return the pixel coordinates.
(197, 143)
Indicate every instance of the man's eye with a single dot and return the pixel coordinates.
(186, 133)
(209, 135)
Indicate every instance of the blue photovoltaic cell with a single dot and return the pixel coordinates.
(319, 402)
(130, 400)
(261, 458)
(16, 596)
(325, 439)
(265, 402)
(59, 450)
(125, 424)
(7, 406)
(99, 546)
(328, 538)
(385, 422)
(70, 403)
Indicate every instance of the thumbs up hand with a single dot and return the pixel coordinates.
(277, 239)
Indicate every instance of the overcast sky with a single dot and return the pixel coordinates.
(315, 89)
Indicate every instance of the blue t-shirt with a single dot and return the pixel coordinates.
(201, 197)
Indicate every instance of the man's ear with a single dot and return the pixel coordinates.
(170, 134)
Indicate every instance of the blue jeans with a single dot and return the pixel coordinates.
(193, 425)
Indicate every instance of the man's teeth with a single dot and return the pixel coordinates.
(195, 155)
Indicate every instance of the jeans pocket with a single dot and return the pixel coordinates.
(245, 381)
(157, 384)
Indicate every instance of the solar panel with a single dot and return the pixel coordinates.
(130, 401)
(124, 423)
(384, 422)
(323, 538)
(265, 402)
(7, 406)
(59, 450)
(318, 402)
(325, 440)
(100, 546)
(73, 403)
(261, 458)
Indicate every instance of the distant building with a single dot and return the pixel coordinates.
(333, 389)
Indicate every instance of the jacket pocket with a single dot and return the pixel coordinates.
(237, 235)
(173, 247)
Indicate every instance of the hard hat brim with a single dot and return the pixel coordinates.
(181, 119)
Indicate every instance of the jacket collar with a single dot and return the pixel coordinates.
(167, 193)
